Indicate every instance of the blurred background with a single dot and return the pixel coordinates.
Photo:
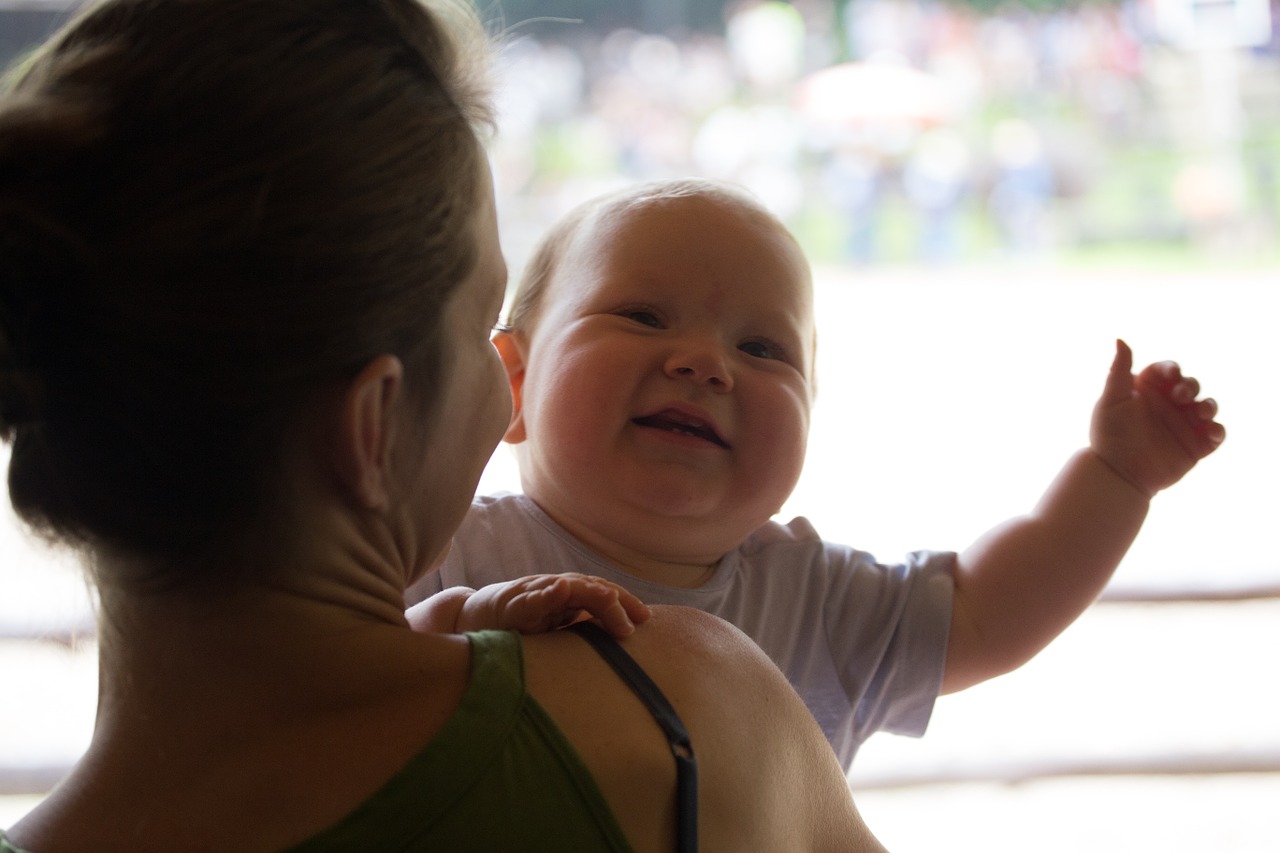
(991, 193)
(897, 131)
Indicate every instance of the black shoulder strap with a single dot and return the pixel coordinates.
(681, 747)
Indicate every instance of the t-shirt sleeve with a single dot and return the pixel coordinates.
(887, 626)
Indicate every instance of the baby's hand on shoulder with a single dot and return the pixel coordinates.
(1151, 429)
(540, 603)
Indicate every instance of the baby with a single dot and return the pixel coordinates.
(660, 352)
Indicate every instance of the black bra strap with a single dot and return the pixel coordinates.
(681, 747)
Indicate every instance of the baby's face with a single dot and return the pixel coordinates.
(667, 385)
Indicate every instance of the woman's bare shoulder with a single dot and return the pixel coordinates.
(694, 632)
(767, 777)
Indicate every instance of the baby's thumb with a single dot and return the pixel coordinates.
(1120, 380)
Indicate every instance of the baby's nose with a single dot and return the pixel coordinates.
(701, 363)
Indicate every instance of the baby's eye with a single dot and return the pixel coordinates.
(763, 349)
(642, 316)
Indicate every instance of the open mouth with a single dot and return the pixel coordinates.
(669, 420)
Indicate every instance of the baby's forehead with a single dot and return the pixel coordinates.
(617, 223)
(653, 238)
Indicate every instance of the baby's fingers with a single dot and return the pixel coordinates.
(1165, 377)
(1202, 417)
(1162, 377)
(637, 611)
(1185, 391)
(1207, 409)
(615, 609)
(1174, 397)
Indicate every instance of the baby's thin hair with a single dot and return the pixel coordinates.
(551, 250)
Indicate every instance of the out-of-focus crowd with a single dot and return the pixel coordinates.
(943, 133)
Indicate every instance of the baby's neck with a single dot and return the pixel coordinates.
(675, 570)
(682, 576)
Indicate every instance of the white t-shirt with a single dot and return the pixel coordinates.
(864, 644)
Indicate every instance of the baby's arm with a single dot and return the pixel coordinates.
(1024, 582)
(530, 605)
(438, 614)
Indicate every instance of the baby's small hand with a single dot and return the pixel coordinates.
(540, 603)
(1151, 429)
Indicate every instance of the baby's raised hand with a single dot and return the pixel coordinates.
(540, 603)
(1151, 429)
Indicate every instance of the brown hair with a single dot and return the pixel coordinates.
(208, 210)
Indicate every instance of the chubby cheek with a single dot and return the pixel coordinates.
(569, 412)
(776, 456)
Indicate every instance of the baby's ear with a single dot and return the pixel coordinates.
(511, 348)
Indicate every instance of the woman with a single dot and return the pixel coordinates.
(248, 267)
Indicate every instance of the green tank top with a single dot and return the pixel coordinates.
(500, 776)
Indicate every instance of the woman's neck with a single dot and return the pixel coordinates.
(210, 706)
(288, 632)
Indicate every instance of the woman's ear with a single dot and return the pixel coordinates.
(366, 431)
(511, 348)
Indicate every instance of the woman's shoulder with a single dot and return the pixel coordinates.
(767, 777)
(697, 659)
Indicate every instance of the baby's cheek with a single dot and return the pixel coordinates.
(786, 438)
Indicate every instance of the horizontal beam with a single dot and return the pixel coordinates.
(1023, 772)
(1190, 595)
(35, 780)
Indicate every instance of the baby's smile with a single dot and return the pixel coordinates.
(671, 420)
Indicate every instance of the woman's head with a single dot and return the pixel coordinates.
(209, 209)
